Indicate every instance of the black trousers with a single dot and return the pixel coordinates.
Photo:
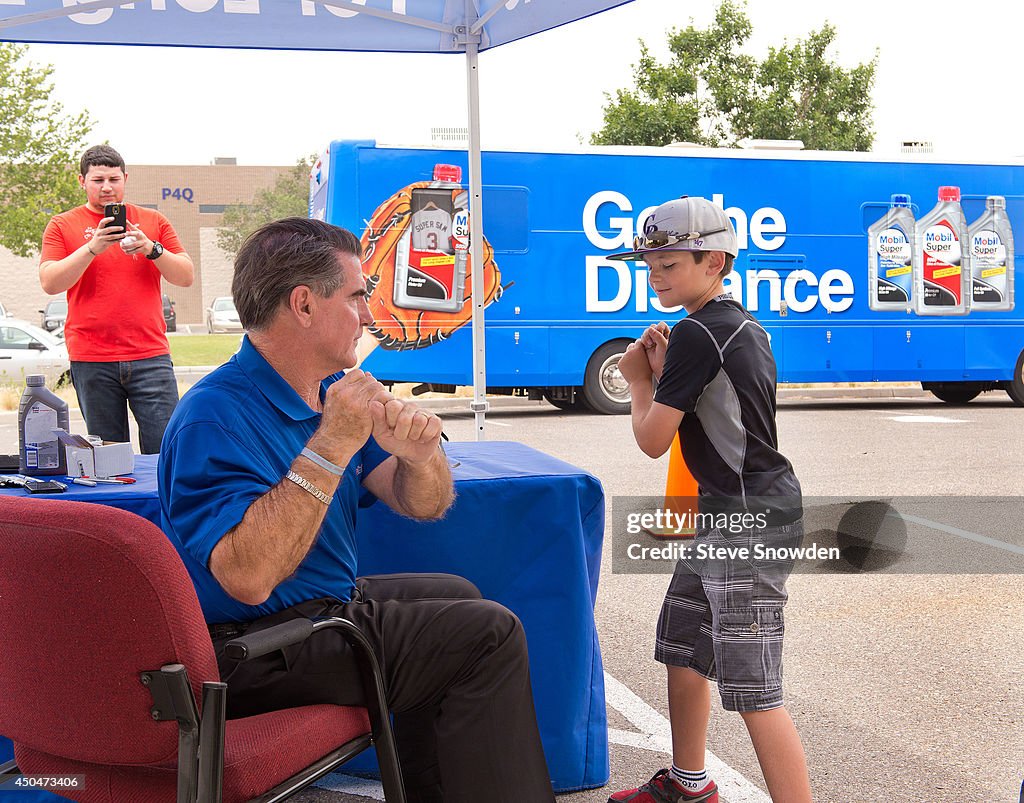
(457, 677)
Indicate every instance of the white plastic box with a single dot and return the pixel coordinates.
(108, 460)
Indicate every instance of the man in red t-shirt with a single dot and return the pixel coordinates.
(115, 328)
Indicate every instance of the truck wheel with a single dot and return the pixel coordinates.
(604, 389)
(1015, 387)
(954, 392)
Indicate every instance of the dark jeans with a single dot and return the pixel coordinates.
(105, 389)
(456, 674)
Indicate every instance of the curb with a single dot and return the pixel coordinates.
(187, 370)
(868, 392)
(461, 403)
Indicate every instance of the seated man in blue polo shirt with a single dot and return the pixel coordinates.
(262, 470)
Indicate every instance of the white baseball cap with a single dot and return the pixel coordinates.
(685, 224)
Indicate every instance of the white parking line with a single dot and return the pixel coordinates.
(946, 528)
(655, 734)
(926, 419)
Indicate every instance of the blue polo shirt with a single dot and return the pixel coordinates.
(231, 439)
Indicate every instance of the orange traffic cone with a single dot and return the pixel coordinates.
(680, 495)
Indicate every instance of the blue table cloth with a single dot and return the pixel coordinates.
(527, 529)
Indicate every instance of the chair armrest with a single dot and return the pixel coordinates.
(295, 631)
(376, 704)
(253, 645)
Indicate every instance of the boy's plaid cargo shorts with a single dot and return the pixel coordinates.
(723, 616)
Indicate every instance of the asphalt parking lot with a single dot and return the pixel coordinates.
(904, 686)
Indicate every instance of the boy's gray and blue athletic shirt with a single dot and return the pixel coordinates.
(720, 372)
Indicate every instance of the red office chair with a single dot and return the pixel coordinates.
(105, 654)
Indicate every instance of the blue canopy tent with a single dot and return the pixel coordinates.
(410, 26)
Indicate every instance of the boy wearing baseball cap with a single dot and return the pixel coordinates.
(722, 619)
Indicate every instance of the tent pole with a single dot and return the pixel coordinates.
(476, 240)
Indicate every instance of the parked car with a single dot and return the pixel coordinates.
(170, 316)
(27, 349)
(221, 316)
(54, 314)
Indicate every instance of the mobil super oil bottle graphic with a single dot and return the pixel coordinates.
(430, 265)
(890, 267)
(991, 243)
(942, 277)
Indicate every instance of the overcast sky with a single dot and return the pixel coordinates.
(947, 73)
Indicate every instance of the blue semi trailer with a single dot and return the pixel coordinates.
(560, 313)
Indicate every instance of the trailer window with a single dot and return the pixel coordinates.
(506, 219)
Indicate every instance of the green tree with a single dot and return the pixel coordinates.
(39, 151)
(287, 198)
(712, 93)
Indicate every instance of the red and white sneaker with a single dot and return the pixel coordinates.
(663, 789)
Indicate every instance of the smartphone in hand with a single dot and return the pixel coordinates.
(120, 214)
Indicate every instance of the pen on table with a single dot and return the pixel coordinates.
(83, 481)
(111, 480)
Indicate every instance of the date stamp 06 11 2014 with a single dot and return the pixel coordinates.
(25, 783)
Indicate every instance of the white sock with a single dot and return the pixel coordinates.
(690, 780)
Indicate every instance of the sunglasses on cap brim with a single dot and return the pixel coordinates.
(658, 238)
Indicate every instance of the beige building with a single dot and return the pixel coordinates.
(193, 197)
